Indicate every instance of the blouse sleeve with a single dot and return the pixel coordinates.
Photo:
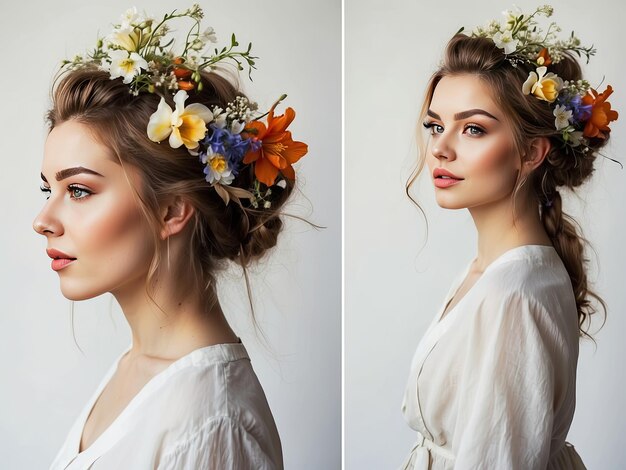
(507, 387)
(221, 444)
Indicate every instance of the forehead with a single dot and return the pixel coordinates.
(71, 144)
(462, 92)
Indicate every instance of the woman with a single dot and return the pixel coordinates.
(159, 173)
(493, 381)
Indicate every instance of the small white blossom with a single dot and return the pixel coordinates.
(505, 41)
(209, 35)
(575, 138)
(130, 18)
(562, 117)
(125, 65)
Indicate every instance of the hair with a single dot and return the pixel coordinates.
(530, 118)
(217, 232)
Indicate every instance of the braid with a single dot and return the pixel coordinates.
(564, 232)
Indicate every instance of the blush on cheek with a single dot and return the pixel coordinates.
(495, 166)
(116, 245)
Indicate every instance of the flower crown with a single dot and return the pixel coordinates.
(580, 112)
(139, 52)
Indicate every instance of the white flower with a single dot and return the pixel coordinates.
(563, 116)
(505, 41)
(217, 169)
(510, 16)
(237, 126)
(185, 125)
(219, 117)
(125, 65)
(575, 138)
(130, 18)
(209, 35)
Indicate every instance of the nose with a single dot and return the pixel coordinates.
(442, 146)
(46, 224)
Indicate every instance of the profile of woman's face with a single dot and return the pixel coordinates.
(91, 215)
(472, 142)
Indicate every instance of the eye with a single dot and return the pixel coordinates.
(73, 189)
(474, 130)
(433, 128)
(45, 190)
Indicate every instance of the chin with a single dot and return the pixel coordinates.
(74, 291)
(450, 203)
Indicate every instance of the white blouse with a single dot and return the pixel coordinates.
(493, 384)
(206, 410)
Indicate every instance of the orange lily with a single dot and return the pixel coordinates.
(601, 113)
(278, 150)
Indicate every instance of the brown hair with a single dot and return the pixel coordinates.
(217, 232)
(530, 118)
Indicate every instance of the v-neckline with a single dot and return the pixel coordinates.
(116, 427)
(96, 396)
(441, 318)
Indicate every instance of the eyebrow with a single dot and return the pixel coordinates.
(61, 175)
(464, 114)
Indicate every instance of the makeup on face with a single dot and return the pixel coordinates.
(97, 235)
(469, 148)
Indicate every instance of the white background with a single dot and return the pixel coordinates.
(46, 379)
(396, 278)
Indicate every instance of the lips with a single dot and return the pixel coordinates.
(444, 178)
(59, 259)
(442, 173)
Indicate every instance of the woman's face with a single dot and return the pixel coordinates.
(91, 215)
(471, 141)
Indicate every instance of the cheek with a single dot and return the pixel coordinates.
(115, 237)
(492, 163)
(113, 245)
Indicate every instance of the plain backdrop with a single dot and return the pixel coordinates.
(396, 277)
(46, 379)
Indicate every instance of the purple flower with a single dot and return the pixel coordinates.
(232, 146)
(573, 102)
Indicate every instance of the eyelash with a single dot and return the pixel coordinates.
(431, 125)
(70, 188)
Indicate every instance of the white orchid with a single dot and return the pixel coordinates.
(184, 125)
(562, 117)
(124, 64)
(504, 40)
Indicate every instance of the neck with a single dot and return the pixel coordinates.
(499, 231)
(179, 326)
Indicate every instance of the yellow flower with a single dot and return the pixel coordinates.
(131, 38)
(545, 86)
(184, 125)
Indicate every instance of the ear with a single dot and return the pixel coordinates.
(175, 214)
(539, 149)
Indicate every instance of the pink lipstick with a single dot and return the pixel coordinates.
(442, 178)
(59, 259)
